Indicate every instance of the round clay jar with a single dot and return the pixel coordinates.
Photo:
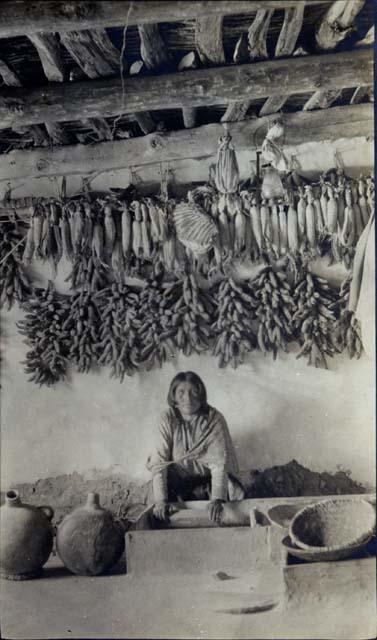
(88, 540)
(26, 538)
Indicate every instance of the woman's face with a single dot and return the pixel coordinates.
(187, 398)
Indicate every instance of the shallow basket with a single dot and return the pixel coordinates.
(323, 554)
(333, 525)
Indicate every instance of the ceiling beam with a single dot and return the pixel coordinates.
(203, 87)
(202, 142)
(48, 48)
(24, 17)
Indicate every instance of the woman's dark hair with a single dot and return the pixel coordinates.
(188, 376)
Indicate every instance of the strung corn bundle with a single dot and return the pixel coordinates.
(283, 229)
(88, 226)
(275, 243)
(43, 325)
(156, 332)
(310, 223)
(82, 325)
(37, 215)
(56, 242)
(347, 328)
(233, 326)
(118, 308)
(292, 228)
(301, 219)
(14, 282)
(265, 217)
(192, 312)
(314, 319)
(227, 171)
(274, 311)
(256, 225)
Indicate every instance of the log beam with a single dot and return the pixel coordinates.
(57, 133)
(93, 51)
(293, 19)
(152, 47)
(9, 77)
(273, 105)
(236, 111)
(321, 99)
(24, 17)
(337, 23)
(202, 142)
(209, 40)
(203, 87)
(48, 49)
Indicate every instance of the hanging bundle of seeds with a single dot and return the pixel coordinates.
(118, 309)
(192, 310)
(347, 330)
(14, 282)
(43, 325)
(314, 319)
(234, 334)
(82, 326)
(274, 312)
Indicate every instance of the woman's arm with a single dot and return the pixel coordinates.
(161, 455)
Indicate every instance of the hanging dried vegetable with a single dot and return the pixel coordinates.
(314, 319)
(119, 324)
(156, 332)
(43, 325)
(347, 328)
(233, 327)
(227, 171)
(82, 327)
(14, 282)
(192, 313)
(274, 312)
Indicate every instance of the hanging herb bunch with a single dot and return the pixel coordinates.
(233, 327)
(275, 308)
(314, 318)
(14, 282)
(43, 326)
(119, 324)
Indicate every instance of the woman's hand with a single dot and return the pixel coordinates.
(161, 511)
(215, 510)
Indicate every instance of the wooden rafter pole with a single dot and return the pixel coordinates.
(335, 123)
(204, 87)
(24, 17)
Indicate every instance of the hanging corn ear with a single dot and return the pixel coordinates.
(110, 230)
(155, 222)
(332, 211)
(283, 229)
(79, 226)
(319, 221)
(28, 253)
(227, 171)
(310, 221)
(301, 218)
(126, 231)
(117, 261)
(231, 207)
(163, 224)
(265, 218)
(223, 225)
(292, 228)
(145, 232)
(66, 235)
(14, 282)
(359, 224)
(347, 327)
(137, 240)
(54, 213)
(45, 247)
(256, 224)
(98, 248)
(341, 207)
(169, 252)
(37, 229)
(239, 230)
(87, 238)
(363, 201)
(214, 211)
(323, 201)
(348, 234)
(275, 228)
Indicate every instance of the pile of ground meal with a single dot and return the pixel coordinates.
(292, 479)
(117, 493)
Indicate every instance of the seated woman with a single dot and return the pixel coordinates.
(195, 456)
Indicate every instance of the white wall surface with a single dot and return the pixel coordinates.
(276, 410)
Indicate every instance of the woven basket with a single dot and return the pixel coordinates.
(333, 525)
(323, 555)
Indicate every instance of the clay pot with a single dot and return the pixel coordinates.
(26, 538)
(88, 540)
